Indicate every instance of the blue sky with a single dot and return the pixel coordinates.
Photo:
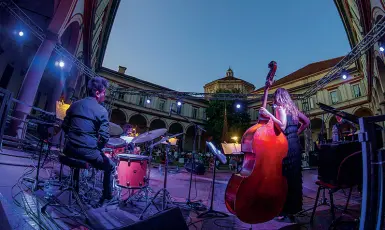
(184, 44)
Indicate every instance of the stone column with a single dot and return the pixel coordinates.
(183, 141)
(32, 80)
(199, 140)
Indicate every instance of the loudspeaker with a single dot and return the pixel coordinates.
(4, 223)
(198, 168)
(167, 220)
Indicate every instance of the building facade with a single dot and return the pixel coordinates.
(229, 83)
(358, 18)
(32, 66)
(349, 95)
(149, 113)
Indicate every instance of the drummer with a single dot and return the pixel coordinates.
(128, 134)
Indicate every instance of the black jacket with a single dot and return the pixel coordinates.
(86, 124)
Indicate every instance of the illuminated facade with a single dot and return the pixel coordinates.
(154, 113)
(229, 83)
(358, 18)
(31, 67)
(349, 95)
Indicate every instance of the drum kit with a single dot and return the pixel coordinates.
(133, 170)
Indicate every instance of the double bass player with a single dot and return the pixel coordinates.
(292, 122)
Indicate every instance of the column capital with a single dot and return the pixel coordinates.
(51, 36)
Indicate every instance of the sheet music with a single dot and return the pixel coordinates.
(231, 148)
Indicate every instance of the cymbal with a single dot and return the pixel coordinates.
(216, 152)
(166, 138)
(114, 129)
(148, 136)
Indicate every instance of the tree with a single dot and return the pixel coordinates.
(238, 120)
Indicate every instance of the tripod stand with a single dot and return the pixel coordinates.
(189, 203)
(166, 194)
(211, 212)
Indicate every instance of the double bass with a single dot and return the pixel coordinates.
(258, 192)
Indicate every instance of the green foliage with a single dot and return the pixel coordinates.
(238, 120)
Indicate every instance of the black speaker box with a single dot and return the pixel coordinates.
(171, 219)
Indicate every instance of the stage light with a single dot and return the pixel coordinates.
(382, 48)
(179, 103)
(238, 106)
(21, 33)
(344, 76)
(148, 101)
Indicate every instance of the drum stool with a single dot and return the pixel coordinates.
(73, 188)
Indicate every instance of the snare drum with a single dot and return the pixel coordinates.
(133, 171)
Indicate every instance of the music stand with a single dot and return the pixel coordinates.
(222, 158)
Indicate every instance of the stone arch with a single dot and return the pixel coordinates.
(316, 127)
(189, 138)
(175, 128)
(139, 121)
(118, 117)
(70, 37)
(363, 112)
(157, 123)
(64, 8)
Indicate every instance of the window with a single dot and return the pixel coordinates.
(121, 96)
(141, 101)
(194, 112)
(179, 109)
(334, 97)
(161, 105)
(311, 103)
(305, 106)
(256, 113)
(356, 90)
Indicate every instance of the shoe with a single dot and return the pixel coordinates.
(285, 219)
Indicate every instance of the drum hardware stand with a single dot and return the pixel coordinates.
(191, 204)
(146, 189)
(36, 182)
(211, 212)
(166, 198)
(322, 201)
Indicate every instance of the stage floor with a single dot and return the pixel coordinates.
(14, 163)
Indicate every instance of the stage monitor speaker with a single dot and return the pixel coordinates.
(4, 222)
(166, 220)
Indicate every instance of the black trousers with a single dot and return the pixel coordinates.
(99, 161)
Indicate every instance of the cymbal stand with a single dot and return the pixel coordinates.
(166, 198)
(192, 204)
(211, 212)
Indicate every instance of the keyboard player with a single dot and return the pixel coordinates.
(343, 130)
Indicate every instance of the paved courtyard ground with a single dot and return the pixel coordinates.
(14, 164)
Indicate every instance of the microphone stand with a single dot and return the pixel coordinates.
(190, 203)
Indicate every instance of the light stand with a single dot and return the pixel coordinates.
(211, 212)
(190, 203)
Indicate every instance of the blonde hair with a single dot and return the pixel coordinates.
(282, 98)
